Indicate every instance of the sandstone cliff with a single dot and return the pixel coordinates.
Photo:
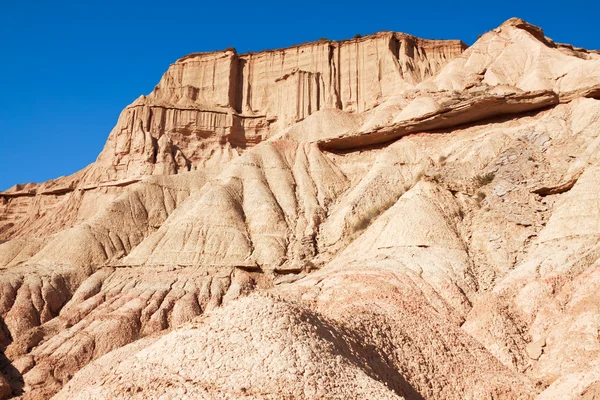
(208, 104)
(383, 217)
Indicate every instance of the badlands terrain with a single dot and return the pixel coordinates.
(385, 217)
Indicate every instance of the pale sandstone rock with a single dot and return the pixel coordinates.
(271, 349)
(117, 306)
(457, 111)
(584, 384)
(414, 221)
(518, 54)
(222, 102)
(272, 201)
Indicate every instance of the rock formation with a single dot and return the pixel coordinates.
(382, 217)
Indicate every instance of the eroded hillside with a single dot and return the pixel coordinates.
(383, 217)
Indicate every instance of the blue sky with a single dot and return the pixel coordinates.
(69, 67)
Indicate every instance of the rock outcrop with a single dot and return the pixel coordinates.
(384, 217)
(210, 105)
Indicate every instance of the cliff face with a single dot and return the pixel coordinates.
(216, 104)
(384, 217)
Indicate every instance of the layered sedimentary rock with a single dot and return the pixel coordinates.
(383, 217)
(208, 104)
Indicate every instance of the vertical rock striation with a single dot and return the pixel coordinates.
(213, 105)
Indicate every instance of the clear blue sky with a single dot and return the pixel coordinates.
(69, 67)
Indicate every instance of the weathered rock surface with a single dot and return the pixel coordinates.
(211, 106)
(383, 217)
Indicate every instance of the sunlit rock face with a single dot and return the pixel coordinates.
(212, 106)
(385, 217)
